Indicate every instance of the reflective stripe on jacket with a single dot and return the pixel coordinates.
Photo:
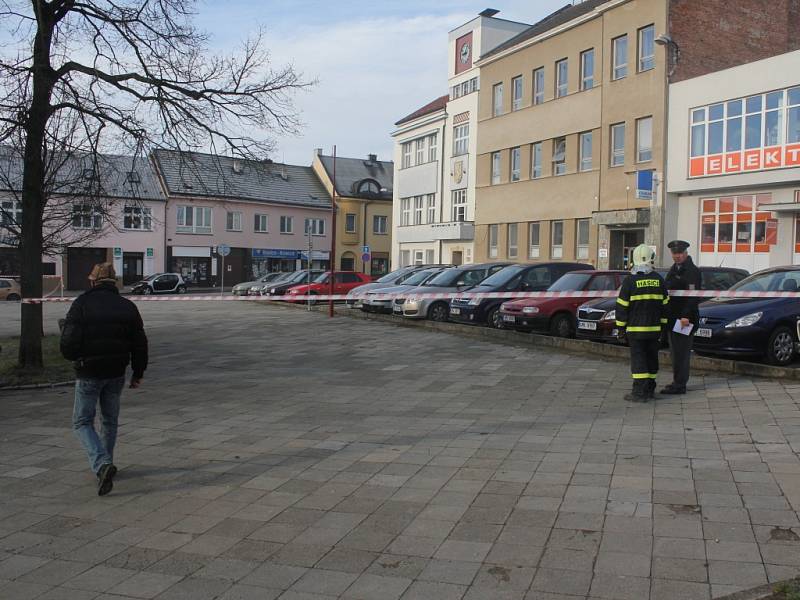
(642, 305)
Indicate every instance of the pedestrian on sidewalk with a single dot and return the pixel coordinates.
(641, 314)
(683, 275)
(102, 333)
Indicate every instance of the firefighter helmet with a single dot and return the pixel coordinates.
(643, 255)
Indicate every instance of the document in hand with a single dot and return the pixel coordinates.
(681, 329)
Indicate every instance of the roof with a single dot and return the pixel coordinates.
(431, 107)
(113, 176)
(554, 19)
(353, 174)
(199, 174)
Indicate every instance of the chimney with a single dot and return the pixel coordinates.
(373, 158)
(317, 152)
(488, 12)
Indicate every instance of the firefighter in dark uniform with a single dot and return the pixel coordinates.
(641, 312)
(683, 275)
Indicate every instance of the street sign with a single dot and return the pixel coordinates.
(223, 250)
(365, 249)
(149, 253)
(117, 252)
(366, 257)
(644, 185)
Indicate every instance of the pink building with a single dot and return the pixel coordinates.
(267, 213)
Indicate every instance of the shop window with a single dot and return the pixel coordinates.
(735, 224)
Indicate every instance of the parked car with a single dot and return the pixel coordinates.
(557, 315)
(160, 283)
(514, 278)
(396, 277)
(596, 318)
(258, 288)
(243, 289)
(370, 302)
(343, 282)
(753, 327)
(10, 289)
(448, 281)
(279, 288)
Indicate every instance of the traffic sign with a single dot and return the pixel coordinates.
(366, 257)
(365, 249)
(223, 250)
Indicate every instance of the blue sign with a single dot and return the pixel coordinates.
(275, 253)
(644, 185)
(223, 250)
(365, 249)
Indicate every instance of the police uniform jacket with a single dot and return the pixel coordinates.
(684, 277)
(642, 305)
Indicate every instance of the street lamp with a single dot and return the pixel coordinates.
(665, 40)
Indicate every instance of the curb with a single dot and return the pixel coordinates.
(575, 346)
(37, 386)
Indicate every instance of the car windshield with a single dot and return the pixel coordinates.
(153, 277)
(772, 281)
(323, 277)
(420, 277)
(393, 276)
(503, 276)
(570, 282)
(448, 278)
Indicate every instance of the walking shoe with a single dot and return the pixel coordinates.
(650, 390)
(635, 398)
(105, 479)
(673, 389)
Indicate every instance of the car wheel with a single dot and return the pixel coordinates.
(439, 312)
(780, 347)
(561, 326)
(181, 289)
(312, 301)
(147, 291)
(13, 298)
(494, 319)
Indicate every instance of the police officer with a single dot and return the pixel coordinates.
(641, 314)
(683, 275)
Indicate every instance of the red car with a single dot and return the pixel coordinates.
(344, 281)
(557, 315)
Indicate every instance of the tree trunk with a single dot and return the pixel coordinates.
(30, 343)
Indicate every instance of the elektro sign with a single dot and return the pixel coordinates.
(756, 133)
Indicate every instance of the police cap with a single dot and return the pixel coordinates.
(677, 246)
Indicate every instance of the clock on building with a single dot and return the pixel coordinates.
(465, 52)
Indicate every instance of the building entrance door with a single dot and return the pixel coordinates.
(132, 263)
(623, 241)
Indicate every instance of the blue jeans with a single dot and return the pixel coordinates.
(88, 392)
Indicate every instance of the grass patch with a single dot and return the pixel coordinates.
(56, 368)
(788, 590)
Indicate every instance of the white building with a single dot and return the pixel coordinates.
(733, 177)
(435, 153)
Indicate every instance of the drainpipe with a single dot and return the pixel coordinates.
(441, 182)
(363, 265)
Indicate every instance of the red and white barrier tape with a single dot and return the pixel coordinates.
(429, 296)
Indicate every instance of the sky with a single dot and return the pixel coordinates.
(374, 61)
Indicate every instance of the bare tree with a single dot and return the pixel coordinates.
(89, 75)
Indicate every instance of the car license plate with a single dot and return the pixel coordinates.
(510, 318)
(703, 332)
(590, 325)
(455, 311)
(398, 308)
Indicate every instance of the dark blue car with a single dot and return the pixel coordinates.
(753, 327)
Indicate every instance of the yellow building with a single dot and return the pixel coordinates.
(364, 210)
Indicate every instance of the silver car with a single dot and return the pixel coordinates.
(449, 281)
(259, 288)
(371, 303)
(242, 289)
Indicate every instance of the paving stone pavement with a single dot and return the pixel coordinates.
(274, 453)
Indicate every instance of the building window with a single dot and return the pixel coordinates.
(647, 48)
(193, 219)
(137, 218)
(419, 257)
(698, 146)
(459, 199)
(773, 120)
(405, 211)
(406, 155)
(493, 241)
(380, 225)
(261, 224)
(733, 126)
(516, 163)
(473, 84)
(618, 145)
(533, 240)
(495, 168)
(538, 86)
(432, 147)
(350, 223)
(419, 209)
(587, 69)
(86, 215)
(562, 77)
(431, 208)
(644, 139)
(461, 139)
(512, 240)
(753, 121)
(559, 156)
(405, 258)
(793, 116)
(737, 224)
(497, 99)
(420, 151)
(619, 57)
(316, 226)
(585, 157)
(557, 240)
(429, 257)
(287, 224)
(536, 160)
(233, 221)
(11, 213)
(516, 93)
(582, 239)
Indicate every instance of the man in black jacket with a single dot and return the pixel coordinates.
(102, 333)
(683, 275)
